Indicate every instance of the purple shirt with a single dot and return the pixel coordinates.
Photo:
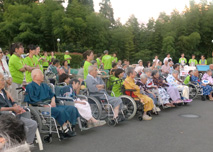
(207, 77)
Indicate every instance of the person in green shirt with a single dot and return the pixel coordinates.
(52, 56)
(67, 57)
(107, 61)
(31, 62)
(45, 61)
(182, 60)
(203, 61)
(118, 82)
(88, 56)
(98, 59)
(188, 77)
(114, 58)
(193, 61)
(38, 59)
(17, 68)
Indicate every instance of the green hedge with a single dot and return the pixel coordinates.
(76, 61)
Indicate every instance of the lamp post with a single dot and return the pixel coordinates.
(58, 43)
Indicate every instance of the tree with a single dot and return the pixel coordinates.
(107, 11)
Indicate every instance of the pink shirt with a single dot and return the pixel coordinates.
(207, 77)
(165, 68)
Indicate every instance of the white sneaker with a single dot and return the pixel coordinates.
(146, 117)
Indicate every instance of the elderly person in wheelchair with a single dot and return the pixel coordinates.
(72, 90)
(7, 105)
(208, 76)
(96, 88)
(38, 93)
(207, 90)
(129, 83)
(173, 80)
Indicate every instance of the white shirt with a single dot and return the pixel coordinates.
(166, 59)
(139, 69)
(7, 71)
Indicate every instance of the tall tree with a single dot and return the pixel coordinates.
(107, 10)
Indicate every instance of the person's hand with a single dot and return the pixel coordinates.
(203, 84)
(80, 79)
(18, 110)
(154, 95)
(9, 96)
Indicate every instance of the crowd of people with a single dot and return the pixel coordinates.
(157, 84)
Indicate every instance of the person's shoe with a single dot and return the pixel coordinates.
(188, 100)
(203, 98)
(121, 118)
(90, 125)
(157, 109)
(146, 117)
(99, 123)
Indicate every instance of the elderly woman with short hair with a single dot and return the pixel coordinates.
(207, 90)
(208, 76)
(173, 80)
(129, 83)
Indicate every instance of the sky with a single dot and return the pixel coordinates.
(143, 9)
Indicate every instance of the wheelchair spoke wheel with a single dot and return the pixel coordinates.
(35, 116)
(129, 106)
(95, 107)
(192, 91)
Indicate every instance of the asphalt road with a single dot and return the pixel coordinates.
(167, 132)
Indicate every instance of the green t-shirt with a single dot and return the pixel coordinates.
(32, 63)
(114, 59)
(36, 57)
(182, 59)
(15, 64)
(116, 89)
(203, 61)
(193, 61)
(86, 66)
(50, 58)
(67, 56)
(187, 79)
(46, 61)
(8, 55)
(107, 61)
(98, 62)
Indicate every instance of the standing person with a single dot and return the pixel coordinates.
(114, 58)
(193, 61)
(38, 58)
(31, 62)
(4, 69)
(66, 67)
(119, 64)
(167, 58)
(107, 61)
(17, 68)
(88, 56)
(182, 60)
(98, 60)
(203, 61)
(45, 62)
(140, 67)
(67, 57)
(52, 56)
(156, 60)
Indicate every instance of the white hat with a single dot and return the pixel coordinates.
(66, 51)
(140, 61)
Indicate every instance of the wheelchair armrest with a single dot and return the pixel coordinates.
(82, 97)
(131, 90)
(39, 104)
(65, 98)
(7, 112)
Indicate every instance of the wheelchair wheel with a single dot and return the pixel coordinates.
(35, 116)
(192, 91)
(47, 139)
(95, 107)
(111, 122)
(129, 106)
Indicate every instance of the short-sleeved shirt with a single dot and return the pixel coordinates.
(114, 59)
(45, 63)
(66, 57)
(86, 66)
(36, 57)
(15, 64)
(182, 60)
(50, 58)
(32, 63)
(203, 61)
(98, 62)
(193, 62)
(107, 61)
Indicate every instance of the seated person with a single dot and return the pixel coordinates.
(188, 77)
(12, 134)
(96, 87)
(172, 79)
(7, 105)
(37, 91)
(207, 90)
(114, 67)
(165, 91)
(145, 91)
(116, 87)
(100, 72)
(82, 105)
(129, 83)
(208, 76)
